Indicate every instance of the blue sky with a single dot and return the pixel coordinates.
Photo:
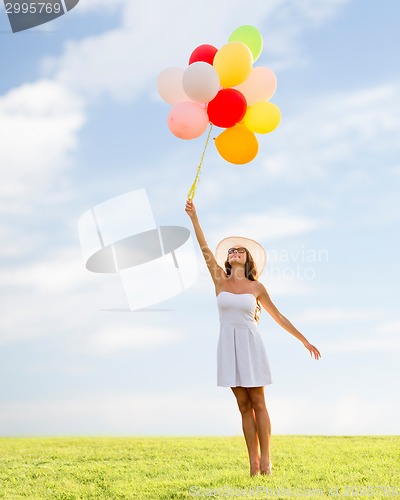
(81, 122)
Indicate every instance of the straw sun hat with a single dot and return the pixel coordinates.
(255, 249)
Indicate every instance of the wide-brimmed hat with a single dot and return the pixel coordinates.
(255, 249)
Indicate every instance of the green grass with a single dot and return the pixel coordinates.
(167, 468)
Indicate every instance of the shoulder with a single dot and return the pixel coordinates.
(260, 289)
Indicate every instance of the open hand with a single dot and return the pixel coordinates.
(313, 350)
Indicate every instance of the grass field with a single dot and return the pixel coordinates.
(216, 467)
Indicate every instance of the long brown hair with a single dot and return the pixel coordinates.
(251, 273)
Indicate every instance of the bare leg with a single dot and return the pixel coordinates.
(249, 427)
(263, 425)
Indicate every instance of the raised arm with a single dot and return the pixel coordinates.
(266, 302)
(215, 270)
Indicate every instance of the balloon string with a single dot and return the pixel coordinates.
(192, 190)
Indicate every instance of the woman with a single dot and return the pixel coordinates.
(241, 358)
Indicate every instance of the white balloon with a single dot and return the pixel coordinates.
(201, 82)
(169, 85)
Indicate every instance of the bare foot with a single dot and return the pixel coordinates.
(255, 469)
(266, 467)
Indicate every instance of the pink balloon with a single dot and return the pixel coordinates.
(260, 85)
(187, 120)
(169, 85)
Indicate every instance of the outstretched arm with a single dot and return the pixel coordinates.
(266, 302)
(213, 267)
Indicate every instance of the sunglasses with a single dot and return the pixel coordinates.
(238, 250)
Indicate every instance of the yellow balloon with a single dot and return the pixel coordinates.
(262, 117)
(237, 145)
(233, 63)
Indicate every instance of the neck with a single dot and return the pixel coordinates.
(237, 273)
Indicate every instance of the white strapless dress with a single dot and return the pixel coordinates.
(241, 356)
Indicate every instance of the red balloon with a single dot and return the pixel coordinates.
(203, 53)
(227, 108)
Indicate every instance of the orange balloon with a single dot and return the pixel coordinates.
(237, 145)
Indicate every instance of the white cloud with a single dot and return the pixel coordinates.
(263, 226)
(344, 415)
(55, 295)
(378, 337)
(383, 337)
(99, 6)
(27, 315)
(38, 126)
(288, 23)
(287, 284)
(389, 328)
(116, 337)
(195, 414)
(133, 414)
(333, 141)
(340, 315)
(335, 131)
(61, 272)
(270, 226)
(374, 344)
(14, 244)
(320, 11)
(125, 61)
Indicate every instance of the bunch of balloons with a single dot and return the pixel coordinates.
(221, 87)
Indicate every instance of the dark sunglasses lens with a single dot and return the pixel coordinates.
(239, 250)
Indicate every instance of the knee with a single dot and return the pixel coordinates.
(244, 405)
(258, 404)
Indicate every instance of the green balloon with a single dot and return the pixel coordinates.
(250, 36)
